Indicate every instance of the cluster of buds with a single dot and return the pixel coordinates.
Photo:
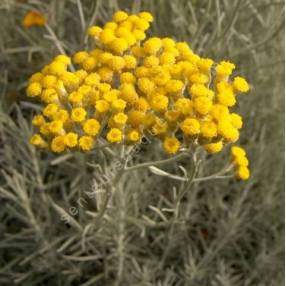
(130, 86)
(240, 162)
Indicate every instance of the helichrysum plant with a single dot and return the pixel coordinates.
(131, 86)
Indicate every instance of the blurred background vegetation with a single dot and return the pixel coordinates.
(228, 233)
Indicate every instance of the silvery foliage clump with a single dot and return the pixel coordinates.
(221, 232)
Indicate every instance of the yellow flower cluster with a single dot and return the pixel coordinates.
(129, 86)
(241, 162)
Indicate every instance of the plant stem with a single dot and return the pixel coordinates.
(156, 163)
(183, 190)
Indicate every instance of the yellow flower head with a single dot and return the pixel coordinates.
(198, 90)
(159, 102)
(174, 86)
(57, 68)
(202, 105)
(34, 18)
(36, 77)
(63, 59)
(75, 97)
(151, 61)
(34, 89)
(91, 79)
(38, 141)
(224, 69)
(237, 151)
(105, 73)
(190, 126)
(116, 63)
(236, 120)
(171, 145)
(45, 129)
(70, 80)
(127, 77)
(128, 93)
(240, 84)
(106, 36)
(226, 129)
(79, 57)
(130, 62)
(241, 161)
(243, 173)
(71, 139)
(118, 104)
(89, 64)
(205, 64)
(141, 24)
(119, 46)
(50, 110)
(111, 96)
(120, 16)
(102, 106)
(213, 148)
(226, 98)
(58, 144)
(152, 45)
(61, 115)
(208, 129)
(167, 58)
(133, 135)
(145, 85)
(78, 114)
(91, 127)
(120, 119)
(49, 95)
(219, 112)
(38, 120)
(114, 135)
(142, 104)
(136, 117)
(49, 81)
(199, 78)
(94, 31)
(146, 16)
(184, 106)
(86, 143)
(56, 126)
(168, 43)
(111, 25)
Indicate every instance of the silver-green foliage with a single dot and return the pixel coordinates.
(222, 233)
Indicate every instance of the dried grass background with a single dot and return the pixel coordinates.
(226, 233)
